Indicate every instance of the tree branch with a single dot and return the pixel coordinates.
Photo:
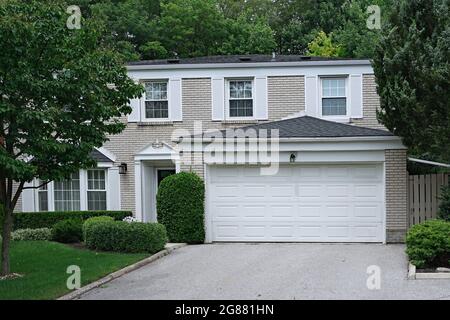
(17, 195)
(36, 187)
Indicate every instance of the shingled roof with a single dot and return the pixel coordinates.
(99, 157)
(308, 127)
(251, 58)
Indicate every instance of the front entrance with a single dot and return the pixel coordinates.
(163, 173)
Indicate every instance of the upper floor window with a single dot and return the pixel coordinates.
(156, 102)
(240, 98)
(334, 97)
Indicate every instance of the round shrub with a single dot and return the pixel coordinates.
(41, 234)
(120, 236)
(444, 207)
(89, 222)
(427, 242)
(67, 231)
(180, 206)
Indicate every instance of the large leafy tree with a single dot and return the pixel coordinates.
(412, 66)
(61, 93)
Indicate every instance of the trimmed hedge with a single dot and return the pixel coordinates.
(89, 222)
(428, 242)
(68, 231)
(35, 220)
(42, 234)
(120, 236)
(180, 206)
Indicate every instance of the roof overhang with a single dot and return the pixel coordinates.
(294, 144)
(248, 65)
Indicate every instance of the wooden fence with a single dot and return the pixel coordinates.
(423, 196)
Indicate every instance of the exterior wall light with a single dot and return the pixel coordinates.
(123, 168)
(292, 157)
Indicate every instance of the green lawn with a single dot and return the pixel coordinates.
(44, 265)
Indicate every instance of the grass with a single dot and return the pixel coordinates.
(43, 265)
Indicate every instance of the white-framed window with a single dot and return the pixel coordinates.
(156, 101)
(96, 189)
(334, 96)
(42, 194)
(67, 193)
(240, 98)
(85, 190)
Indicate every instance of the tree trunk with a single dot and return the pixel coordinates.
(6, 235)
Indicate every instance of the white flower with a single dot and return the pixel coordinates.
(130, 219)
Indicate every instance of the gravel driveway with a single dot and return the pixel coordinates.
(274, 271)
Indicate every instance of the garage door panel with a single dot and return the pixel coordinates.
(315, 203)
(309, 211)
(367, 211)
(335, 211)
(336, 173)
(258, 191)
(309, 192)
(337, 193)
(282, 211)
(307, 232)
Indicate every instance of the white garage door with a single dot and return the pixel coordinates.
(310, 203)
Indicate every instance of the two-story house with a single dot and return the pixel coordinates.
(341, 176)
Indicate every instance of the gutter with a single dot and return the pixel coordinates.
(437, 164)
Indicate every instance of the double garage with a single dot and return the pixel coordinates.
(332, 182)
(311, 203)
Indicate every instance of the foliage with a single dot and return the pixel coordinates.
(44, 265)
(120, 236)
(68, 231)
(180, 206)
(55, 110)
(444, 207)
(91, 221)
(322, 46)
(63, 92)
(428, 241)
(33, 220)
(32, 234)
(412, 67)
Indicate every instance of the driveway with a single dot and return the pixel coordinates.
(274, 271)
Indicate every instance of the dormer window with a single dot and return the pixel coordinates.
(334, 96)
(240, 98)
(156, 101)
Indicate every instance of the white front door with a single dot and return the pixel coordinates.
(302, 203)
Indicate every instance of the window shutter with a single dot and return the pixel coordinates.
(175, 107)
(113, 189)
(356, 108)
(218, 98)
(135, 104)
(311, 96)
(260, 108)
